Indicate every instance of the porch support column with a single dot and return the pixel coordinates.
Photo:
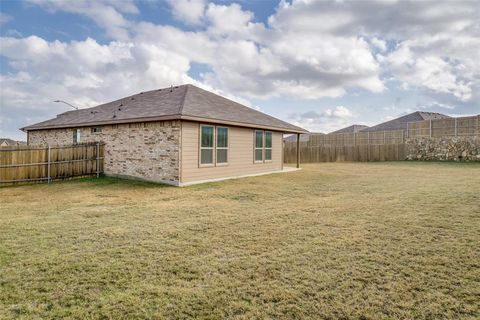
(298, 150)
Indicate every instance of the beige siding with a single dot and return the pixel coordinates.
(240, 155)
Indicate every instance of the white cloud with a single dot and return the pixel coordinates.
(379, 44)
(307, 50)
(423, 69)
(4, 18)
(189, 11)
(325, 121)
(83, 73)
(107, 14)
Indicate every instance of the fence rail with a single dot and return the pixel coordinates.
(32, 163)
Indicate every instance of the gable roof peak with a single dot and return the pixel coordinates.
(181, 102)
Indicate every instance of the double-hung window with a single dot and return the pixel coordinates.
(263, 146)
(213, 145)
(222, 145)
(206, 145)
(268, 146)
(76, 136)
(258, 157)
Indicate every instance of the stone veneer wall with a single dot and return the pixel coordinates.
(446, 148)
(147, 150)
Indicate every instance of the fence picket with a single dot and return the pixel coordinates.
(35, 163)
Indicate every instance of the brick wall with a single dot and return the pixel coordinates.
(447, 148)
(149, 150)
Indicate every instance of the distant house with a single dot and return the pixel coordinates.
(5, 142)
(351, 129)
(179, 135)
(401, 122)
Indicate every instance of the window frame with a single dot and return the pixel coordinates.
(96, 130)
(265, 146)
(200, 148)
(255, 146)
(220, 164)
(77, 136)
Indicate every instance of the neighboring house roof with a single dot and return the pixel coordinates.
(401, 122)
(350, 129)
(9, 142)
(186, 102)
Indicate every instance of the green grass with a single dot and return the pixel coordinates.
(335, 241)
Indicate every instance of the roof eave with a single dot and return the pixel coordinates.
(166, 118)
(242, 124)
(99, 123)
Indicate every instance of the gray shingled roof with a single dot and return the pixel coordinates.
(401, 122)
(352, 128)
(186, 102)
(8, 141)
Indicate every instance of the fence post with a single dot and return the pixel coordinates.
(430, 128)
(48, 165)
(384, 137)
(354, 138)
(408, 133)
(98, 159)
(298, 150)
(456, 127)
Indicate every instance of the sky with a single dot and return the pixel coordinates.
(322, 65)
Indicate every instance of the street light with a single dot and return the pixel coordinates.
(71, 105)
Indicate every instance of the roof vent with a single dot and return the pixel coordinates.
(171, 88)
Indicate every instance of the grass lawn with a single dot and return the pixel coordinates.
(334, 241)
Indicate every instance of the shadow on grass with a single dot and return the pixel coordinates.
(102, 181)
(109, 181)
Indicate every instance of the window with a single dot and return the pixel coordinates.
(222, 145)
(268, 146)
(76, 136)
(206, 145)
(258, 146)
(96, 129)
(213, 146)
(263, 146)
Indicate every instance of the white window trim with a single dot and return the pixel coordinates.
(77, 136)
(265, 147)
(200, 148)
(221, 164)
(255, 146)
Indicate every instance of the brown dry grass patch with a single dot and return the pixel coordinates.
(342, 240)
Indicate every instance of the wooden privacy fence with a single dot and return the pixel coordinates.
(331, 153)
(377, 145)
(463, 126)
(38, 163)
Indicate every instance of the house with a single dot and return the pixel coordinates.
(400, 123)
(351, 129)
(179, 135)
(5, 142)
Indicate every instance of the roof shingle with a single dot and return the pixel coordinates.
(181, 102)
(401, 122)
